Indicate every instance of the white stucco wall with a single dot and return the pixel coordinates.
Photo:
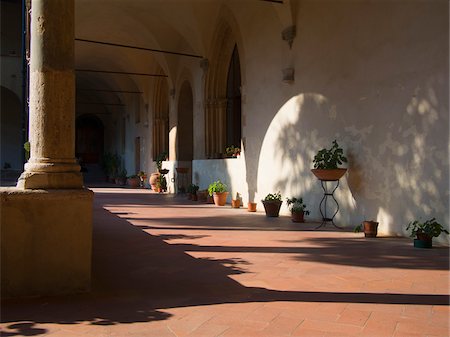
(374, 76)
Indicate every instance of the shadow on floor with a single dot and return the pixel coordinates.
(137, 275)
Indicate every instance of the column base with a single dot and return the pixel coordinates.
(46, 240)
(50, 180)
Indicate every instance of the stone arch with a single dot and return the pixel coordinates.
(11, 130)
(226, 39)
(89, 138)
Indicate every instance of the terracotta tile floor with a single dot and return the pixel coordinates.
(165, 266)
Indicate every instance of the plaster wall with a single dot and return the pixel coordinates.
(45, 241)
(374, 76)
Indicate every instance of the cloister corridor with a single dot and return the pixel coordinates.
(167, 266)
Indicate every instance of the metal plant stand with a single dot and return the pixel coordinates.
(323, 203)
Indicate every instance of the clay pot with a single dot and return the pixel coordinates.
(154, 177)
(202, 196)
(134, 182)
(194, 197)
(370, 229)
(272, 207)
(220, 199)
(329, 174)
(251, 207)
(298, 216)
(236, 203)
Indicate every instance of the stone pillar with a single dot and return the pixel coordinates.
(52, 162)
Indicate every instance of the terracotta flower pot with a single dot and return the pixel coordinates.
(220, 199)
(251, 207)
(272, 207)
(370, 229)
(154, 177)
(194, 197)
(298, 216)
(134, 182)
(329, 174)
(202, 196)
(236, 203)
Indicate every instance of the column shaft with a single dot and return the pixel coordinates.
(52, 162)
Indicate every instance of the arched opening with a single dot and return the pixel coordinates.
(89, 139)
(185, 123)
(223, 94)
(11, 130)
(160, 118)
(234, 127)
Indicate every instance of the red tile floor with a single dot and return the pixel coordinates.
(165, 266)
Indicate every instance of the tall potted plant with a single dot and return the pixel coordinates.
(272, 204)
(218, 190)
(326, 163)
(155, 178)
(298, 209)
(425, 231)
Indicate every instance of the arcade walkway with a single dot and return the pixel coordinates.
(165, 266)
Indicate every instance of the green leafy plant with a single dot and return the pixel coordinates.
(232, 151)
(329, 158)
(273, 197)
(192, 189)
(159, 159)
(142, 174)
(296, 205)
(26, 147)
(217, 187)
(430, 228)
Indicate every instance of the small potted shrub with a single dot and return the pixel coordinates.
(326, 163)
(133, 181)
(236, 203)
(121, 178)
(298, 209)
(232, 151)
(143, 177)
(192, 191)
(218, 190)
(425, 231)
(272, 203)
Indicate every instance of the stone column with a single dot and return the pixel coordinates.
(52, 163)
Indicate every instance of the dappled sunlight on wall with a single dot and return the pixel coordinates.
(291, 141)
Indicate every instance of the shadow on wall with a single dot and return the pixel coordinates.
(397, 170)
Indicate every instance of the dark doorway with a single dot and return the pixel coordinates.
(89, 139)
(234, 129)
(185, 123)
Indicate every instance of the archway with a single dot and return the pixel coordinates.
(11, 130)
(89, 139)
(185, 123)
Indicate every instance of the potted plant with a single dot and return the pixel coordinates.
(272, 203)
(134, 181)
(425, 231)
(143, 177)
(251, 207)
(192, 191)
(202, 195)
(121, 178)
(155, 176)
(218, 190)
(232, 151)
(370, 228)
(236, 203)
(326, 163)
(297, 208)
